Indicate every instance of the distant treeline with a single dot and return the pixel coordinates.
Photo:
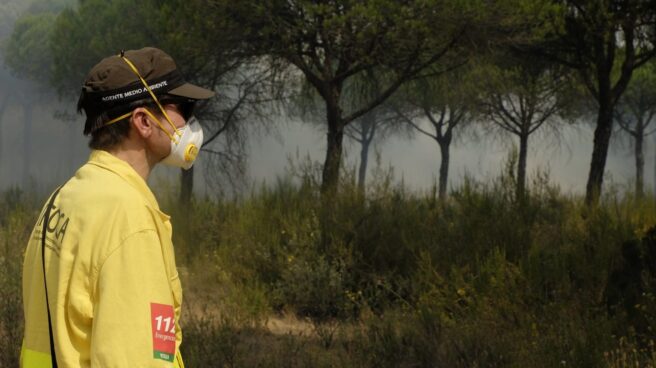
(367, 69)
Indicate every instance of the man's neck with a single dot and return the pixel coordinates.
(137, 158)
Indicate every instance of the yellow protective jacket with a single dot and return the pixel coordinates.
(113, 287)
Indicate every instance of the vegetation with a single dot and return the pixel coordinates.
(321, 270)
(478, 281)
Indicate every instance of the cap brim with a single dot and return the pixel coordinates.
(192, 91)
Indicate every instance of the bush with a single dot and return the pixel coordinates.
(17, 216)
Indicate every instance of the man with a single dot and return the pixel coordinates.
(111, 296)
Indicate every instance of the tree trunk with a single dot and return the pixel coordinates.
(330, 175)
(186, 186)
(444, 143)
(600, 151)
(640, 164)
(27, 145)
(521, 166)
(364, 160)
(3, 107)
(367, 133)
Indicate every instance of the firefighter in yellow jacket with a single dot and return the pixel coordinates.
(101, 288)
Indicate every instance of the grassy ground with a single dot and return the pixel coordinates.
(394, 278)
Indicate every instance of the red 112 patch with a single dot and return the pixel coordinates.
(162, 319)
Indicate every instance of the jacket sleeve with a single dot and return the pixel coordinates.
(134, 320)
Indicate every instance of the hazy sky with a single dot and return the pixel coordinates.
(416, 160)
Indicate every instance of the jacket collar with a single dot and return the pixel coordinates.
(114, 164)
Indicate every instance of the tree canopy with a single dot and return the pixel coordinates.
(26, 53)
(255, 52)
(330, 42)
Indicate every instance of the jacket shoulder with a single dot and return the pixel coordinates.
(96, 195)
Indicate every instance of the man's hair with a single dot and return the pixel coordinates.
(108, 137)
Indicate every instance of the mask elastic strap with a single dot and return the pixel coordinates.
(117, 119)
(134, 69)
(171, 137)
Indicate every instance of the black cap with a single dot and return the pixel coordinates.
(112, 84)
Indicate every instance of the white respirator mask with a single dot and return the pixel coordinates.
(185, 150)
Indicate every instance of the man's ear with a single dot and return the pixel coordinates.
(142, 123)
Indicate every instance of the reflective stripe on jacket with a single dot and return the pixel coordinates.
(113, 287)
